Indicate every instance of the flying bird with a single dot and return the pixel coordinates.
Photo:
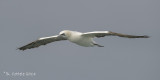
(82, 39)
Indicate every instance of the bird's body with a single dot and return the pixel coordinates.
(82, 39)
(76, 37)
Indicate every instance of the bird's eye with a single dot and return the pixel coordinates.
(63, 34)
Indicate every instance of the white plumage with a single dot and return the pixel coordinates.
(82, 39)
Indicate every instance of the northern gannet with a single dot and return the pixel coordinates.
(82, 39)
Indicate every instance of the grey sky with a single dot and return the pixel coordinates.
(23, 21)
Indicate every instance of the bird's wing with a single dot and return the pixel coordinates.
(42, 41)
(109, 33)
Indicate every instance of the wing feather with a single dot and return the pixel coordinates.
(96, 34)
(126, 35)
(110, 33)
(42, 41)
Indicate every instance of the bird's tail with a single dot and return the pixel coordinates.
(98, 45)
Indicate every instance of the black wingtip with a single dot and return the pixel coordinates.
(145, 36)
(20, 49)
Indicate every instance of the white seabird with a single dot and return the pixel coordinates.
(82, 39)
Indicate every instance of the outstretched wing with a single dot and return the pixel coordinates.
(42, 41)
(109, 33)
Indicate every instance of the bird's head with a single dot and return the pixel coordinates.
(65, 33)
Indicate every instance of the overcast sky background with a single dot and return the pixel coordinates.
(23, 21)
